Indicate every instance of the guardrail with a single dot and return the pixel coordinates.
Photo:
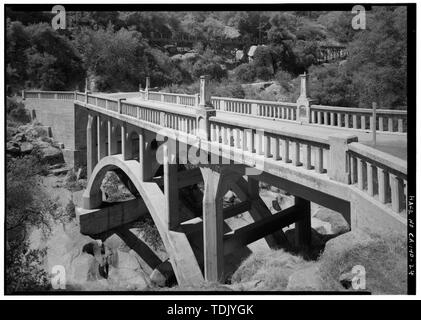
(382, 176)
(300, 150)
(340, 117)
(359, 118)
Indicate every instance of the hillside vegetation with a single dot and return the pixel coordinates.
(117, 50)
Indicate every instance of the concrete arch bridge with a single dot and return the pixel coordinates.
(318, 154)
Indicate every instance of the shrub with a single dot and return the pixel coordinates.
(150, 233)
(71, 183)
(208, 67)
(23, 268)
(245, 72)
(16, 110)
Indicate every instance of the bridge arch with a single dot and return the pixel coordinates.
(182, 258)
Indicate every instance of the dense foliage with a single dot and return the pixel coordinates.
(117, 50)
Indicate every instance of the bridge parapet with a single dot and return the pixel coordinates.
(381, 175)
(359, 118)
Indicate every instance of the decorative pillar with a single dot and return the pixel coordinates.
(205, 109)
(303, 101)
(147, 88)
(339, 167)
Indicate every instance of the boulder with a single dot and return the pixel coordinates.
(337, 222)
(348, 240)
(19, 137)
(51, 155)
(26, 147)
(163, 274)
(13, 148)
(229, 197)
(158, 279)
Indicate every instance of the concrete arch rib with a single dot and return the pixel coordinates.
(182, 258)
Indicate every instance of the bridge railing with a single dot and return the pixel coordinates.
(174, 98)
(340, 117)
(359, 118)
(52, 95)
(300, 150)
(381, 175)
(261, 108)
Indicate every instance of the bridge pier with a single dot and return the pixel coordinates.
(112, 138)
(102, 137)
(91, 144)
(213, 219)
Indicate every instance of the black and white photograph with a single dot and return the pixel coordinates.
(209, 149)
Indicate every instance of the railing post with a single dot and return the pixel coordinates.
(75, 95)
(222, 105)
(23, 94)
(374, 123)
(339, 166)
(119, 104)
(255, 109)
(205, 110)
(196, 99)
(86, 96)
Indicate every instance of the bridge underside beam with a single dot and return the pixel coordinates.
(110, 216)
(142, 249)
(259, 229)
(258, 209)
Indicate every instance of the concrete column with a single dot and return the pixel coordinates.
(339, 169)
(303, 226)
(102, 138)
(213, 225)
(144, 158)
(126, 143)
(171, 187)
(112, 139)
(91, 144)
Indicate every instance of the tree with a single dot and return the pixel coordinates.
(378, 59)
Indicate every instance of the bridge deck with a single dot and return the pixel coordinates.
(392, 143)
